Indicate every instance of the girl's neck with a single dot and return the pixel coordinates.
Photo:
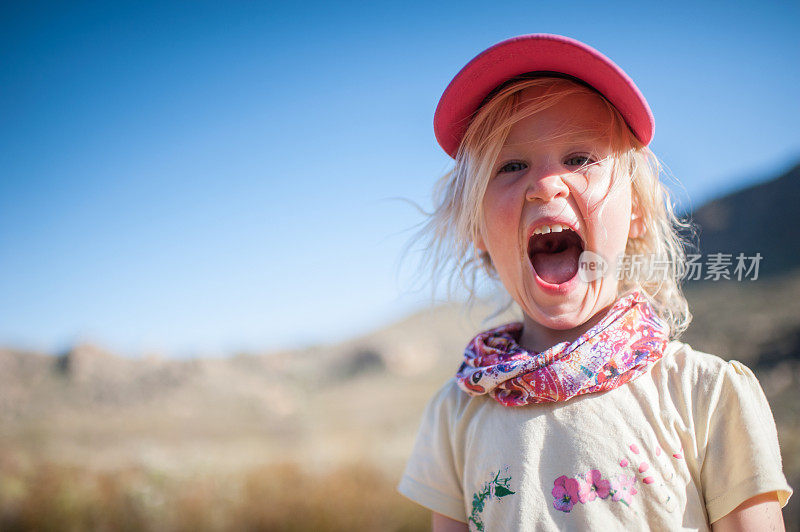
(537, 338)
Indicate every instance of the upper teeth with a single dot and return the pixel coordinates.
(555, 228)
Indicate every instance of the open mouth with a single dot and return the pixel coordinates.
(555, 256)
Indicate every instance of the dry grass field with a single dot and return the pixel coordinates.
(311, 440)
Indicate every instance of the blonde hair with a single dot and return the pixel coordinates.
(452, 227)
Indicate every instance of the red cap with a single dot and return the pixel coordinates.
(537, 53)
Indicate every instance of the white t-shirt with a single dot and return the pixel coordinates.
(676, 448)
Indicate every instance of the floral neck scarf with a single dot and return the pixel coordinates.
(621, 347)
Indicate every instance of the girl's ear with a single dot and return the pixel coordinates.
(638, 228)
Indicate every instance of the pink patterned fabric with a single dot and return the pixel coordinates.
(621, 347)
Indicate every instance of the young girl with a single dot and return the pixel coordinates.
(589, 413)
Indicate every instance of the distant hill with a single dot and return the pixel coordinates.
(318, 405)
(759, 219)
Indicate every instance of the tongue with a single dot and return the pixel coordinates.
(557, 268)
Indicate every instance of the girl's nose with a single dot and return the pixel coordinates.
(546, 187)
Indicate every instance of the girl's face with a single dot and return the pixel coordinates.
(540, 182)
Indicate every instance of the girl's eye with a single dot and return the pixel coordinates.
(512, 167)
(578, 160)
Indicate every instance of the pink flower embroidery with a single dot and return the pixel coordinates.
(593, 485)
(622, 489)
(565, 493)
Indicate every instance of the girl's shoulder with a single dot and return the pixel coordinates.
(702, 374)
(681, 359)
(449, 397)
(681, 356)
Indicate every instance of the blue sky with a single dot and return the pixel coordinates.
(202, 178)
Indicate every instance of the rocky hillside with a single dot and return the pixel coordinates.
(758, 219)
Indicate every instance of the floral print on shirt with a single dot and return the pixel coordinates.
(592, 486)
(583, 489)
(567, 492)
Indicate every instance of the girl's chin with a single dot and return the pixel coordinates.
(580, 313)
(561, 323)
(570, 306)
(568, 313)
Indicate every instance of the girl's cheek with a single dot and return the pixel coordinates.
(601, 194)
(595, 201)
(495, 215)
(501, 201)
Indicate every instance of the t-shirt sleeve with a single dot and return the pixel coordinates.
(433, 472)
(742, 457)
